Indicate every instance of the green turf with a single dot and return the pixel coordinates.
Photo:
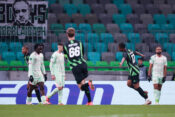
(86, 111)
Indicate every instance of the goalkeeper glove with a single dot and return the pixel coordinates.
(149, 78)
(164, 79)
(31, 79)
(45, 77)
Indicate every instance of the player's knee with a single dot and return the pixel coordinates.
(129, 84)
(41, 88)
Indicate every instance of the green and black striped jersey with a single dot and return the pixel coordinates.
(74, 51)
(129, 55)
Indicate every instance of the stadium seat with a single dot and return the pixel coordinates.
(146, 63)
(165, 9)
(115, 64)
(100, 47)
(140, 28)
(63, 18)
(50, 2)
(120, 38)
(64, 2)
(159, 19)
(107, 56)
(84, 9)
(146, 19)
(142, 47)
(78, 18)
(15, 46)
(119, 18)
(88, 47)
(91, 19)
(16, 64)
(48, 55)
(113, 47)
(52, 18)
(118, 2)
(106, 38)
(54, 47)
(112, 28)
(73, 25)
(138, 9)
(168, 47)
(105, 18)
(126, 28)
(152, 9)
(20, 57)
(85, 28)
(111, 9)
(46, 64)
(119, 56)
(80, 37)
(97, 9)
(104, 2)
(94, 56)
(162, 38)
(4, 64)
(125, 9)
(172, 38)
(168, 28)
(56, 28)
(171, 19)
(70, 9)
(99, 28)
(77, 2)
(134, 38)
(130, 46)
(92, 38)
(133, 18)
(154, 28)
(90, 64)
(3, 47)
(8, 56)
(147, 38)
(143, 2)
(102, 64)
(56, 8)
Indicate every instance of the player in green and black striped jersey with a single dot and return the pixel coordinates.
(74, 51)
(133, 79)
(26, 54)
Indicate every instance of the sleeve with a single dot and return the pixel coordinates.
(42, 65)
(82, 48)
(30, 68)
(63, 67)
(65, 51)
(125, 55)
(165, 62)
(151, 61)
(52, 61)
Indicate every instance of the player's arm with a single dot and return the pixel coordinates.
(43, 68)
(138, 53)
(150, 68)
(165, 71)
(30, 68)
(122, 61)
(52, 61)
(65, 51)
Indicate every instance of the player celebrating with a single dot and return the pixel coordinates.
(26, 58)
(158, 67)
(57, 73)
(133, 79)
(35, 73)
(74, 52)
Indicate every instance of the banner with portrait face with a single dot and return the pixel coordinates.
(23, 19)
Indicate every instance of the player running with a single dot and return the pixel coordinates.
(158, 67)
(74, 52)
(133, 79)
(26, 58)
(57, 73)
(36, 73)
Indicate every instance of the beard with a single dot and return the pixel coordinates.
(159, 53)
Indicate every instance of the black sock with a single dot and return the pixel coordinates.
(142, 93)
(85, 88)
(38, 95)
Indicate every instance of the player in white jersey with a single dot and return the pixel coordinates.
(57, 73)
(158, 67)
(36, 73)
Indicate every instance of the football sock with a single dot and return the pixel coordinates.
(53, 93)
(85, 88)
(38, 95)
(60, 95)
(29, 99)
(142, 93)
(43, 98)
(157, 94)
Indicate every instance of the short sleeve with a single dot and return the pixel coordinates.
(125, 55)
(165, 62)
(151, 61)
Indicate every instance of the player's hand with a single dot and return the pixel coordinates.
(164, 79)
(45, 77)
(149, 78)
(31, 79)
(120, 64)
(53, 77)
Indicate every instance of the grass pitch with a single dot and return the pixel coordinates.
(87, 111)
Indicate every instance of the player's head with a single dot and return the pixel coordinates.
(159, 50)
(140, 61)
(70, 33)
(25, 49)
(121, 46)
(42, 45)
(21, 10)
(60, 47)
(38, 48)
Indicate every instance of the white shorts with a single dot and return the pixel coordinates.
(157, 80)
(60, 81)
(37, 80)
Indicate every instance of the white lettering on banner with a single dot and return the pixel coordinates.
(106, 92)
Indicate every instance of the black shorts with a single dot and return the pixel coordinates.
(134, 79)
(80, 72)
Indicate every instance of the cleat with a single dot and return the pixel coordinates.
(91, 85)
(147, 102)
(47, 99)
(89, 104)
(46, 103)
(61, 104)
(29, 103)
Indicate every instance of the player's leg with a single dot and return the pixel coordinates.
(140, 90)
(37, 92)
(29, 94)
(43, 97)
(157, 89)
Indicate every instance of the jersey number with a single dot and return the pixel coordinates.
(74, 52)
(133, 58)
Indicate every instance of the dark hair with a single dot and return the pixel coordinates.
(158, 47)
(60, 44)
(36, 46)
(70, 32)
(122, 45)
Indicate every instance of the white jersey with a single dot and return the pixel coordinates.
(158, 65)
(36, 65)
(57, 67)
